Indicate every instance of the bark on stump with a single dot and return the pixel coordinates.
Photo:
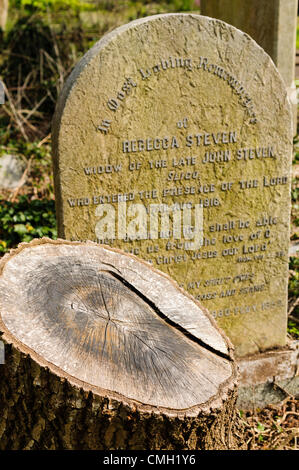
(105, 352)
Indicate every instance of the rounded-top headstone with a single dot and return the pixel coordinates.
(184, 115)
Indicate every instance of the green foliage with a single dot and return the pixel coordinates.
(296, 223)
(183, 5)
(293, 329)
(24, 220)
(295, 193)
(260, 429)
(294, 294)
(296, 140)
(39, 182)
(37, 58)
(26, 149)
(28, 74)
(33, 214)
(53, 5)
(294, 276)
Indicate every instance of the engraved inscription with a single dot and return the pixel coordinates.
(183, 159)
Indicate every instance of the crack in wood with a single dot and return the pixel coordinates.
(168, 320)
(97, 327)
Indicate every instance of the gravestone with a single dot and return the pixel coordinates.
(172, 140)
(272, 24)
(11, 171)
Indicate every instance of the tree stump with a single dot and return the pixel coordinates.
(105, 352)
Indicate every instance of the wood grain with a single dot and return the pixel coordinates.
(110, 323)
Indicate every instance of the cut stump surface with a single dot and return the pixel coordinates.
(113, 328)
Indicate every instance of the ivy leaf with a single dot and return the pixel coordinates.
(20, 229)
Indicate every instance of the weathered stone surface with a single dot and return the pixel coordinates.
(11, 171)
(183, 109)
(271, 24)
(268, 377)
